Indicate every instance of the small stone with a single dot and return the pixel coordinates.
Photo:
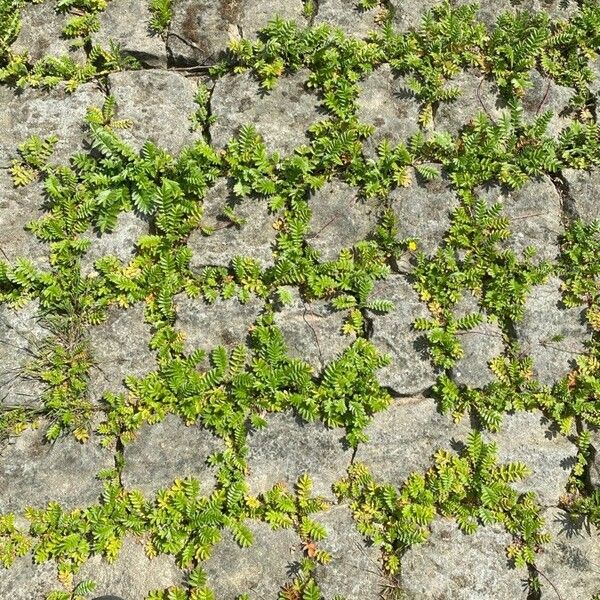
(569, 563)
(221, 323)
(583, 192)
(553, 336)
(527, 437)
(339, 219)
(423, 211)
(127, 22)
(386, 103)
(166, 451)
(456, 566)
(355, 570)
(260, 570)
(281, 116)
(410, 371)
(34, 472)
(313, 331)
(345, 15)
(288, 447)
(132, 575)
(26, 580)
(160, 104)
(403, 439)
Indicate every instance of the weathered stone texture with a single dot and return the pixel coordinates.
(345, 15)
(288, 447)
(455, 566)
(595, 463)
(583, 189)
(169, 450)
(410, 371)
(553, 336)
(281, 116)
(408, 14)
(33, 472)
(339, 219)
(404, 438)
(260, 570)
(26, 580)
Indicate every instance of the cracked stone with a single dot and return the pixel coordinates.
(386, 103)
(261, 570)
(281, 116)
(410, 371)
(583, 191)
(26, 580)
(339, 219)
(553, 336)
(350, 556)
(529, 438)
(34, 472)
(423, 210)
(456, 566)
(288, 447)
(313, 331)
(132, 575)
(160, 104)
(404, 438)
(345, 15)
(169, 450)
(570, 561)
(114, 359)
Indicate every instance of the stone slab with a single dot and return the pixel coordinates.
(582, 187)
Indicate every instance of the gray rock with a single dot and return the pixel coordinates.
(21, 335)
(160, 104)
(570, 562)
(222, 323)
(408, 14)
(132, 575)
(480, 345)
(551, 335)
(127, 23)
(345, 15)
(386, 103)
(455, 566)
(595, 462)
(120, 347)
(410, 371)
(255, 238)
(120, 242)
(404, 438)
(281, 116)
(339, 219)
(26, 580)
(288, 447)
(169, 450)
(355, 570)
(33, 472)
(423, 211)
(260, 570)
(534, 213)
(582, 187)
(527, 437)
(313, 331)
(256, 14)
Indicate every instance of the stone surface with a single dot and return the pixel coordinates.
(288, 447)
(570, 561)
(281, 116)
(127, 22)
(339, 219)
(260, 570)
(26, 580)
(160, 104)
(529, 438)
(355, 570)
(313, 331)
(33, 472)
(222, 323)
(409, 14)
(345, 15)
(410, 371)
(132, 575)
(254, 238)
(120, 347)
(386, 103)
(455, 566)
(423, 211)
(552, 335)
(595, 463)
(256, 14)
(404, 438)
(582, 187)
(169, 450)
